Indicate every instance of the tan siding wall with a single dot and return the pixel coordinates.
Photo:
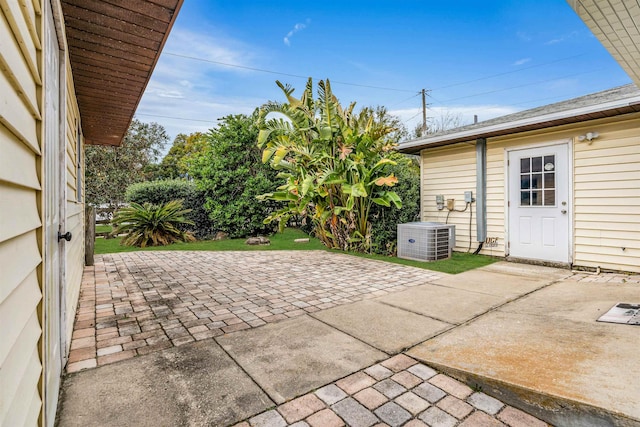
(20, 220)
(607, 198)
(450, 171)
(606, 189)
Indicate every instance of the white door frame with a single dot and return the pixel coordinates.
(54, 304)
(507, 186)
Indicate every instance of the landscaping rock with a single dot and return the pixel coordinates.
(258, 241)
(221, 235)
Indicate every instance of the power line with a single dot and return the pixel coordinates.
(404, 100)
(515, 87)
(262, 70)
(510, 72)
(413, 117)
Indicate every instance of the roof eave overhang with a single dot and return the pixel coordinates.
(113, 51)
(609, 109)
(614, 23)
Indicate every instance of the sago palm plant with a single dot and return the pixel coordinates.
(152, 225)
(333, 161)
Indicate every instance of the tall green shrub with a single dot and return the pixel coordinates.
(333, 162)
(161, 192)
(231, 175)
(385, 220)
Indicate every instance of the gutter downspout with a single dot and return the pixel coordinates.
(481, 192)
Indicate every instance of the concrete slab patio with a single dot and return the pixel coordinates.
(291, 357)
(547, 353)
(506, 328)
(193, 385)
(382, 326)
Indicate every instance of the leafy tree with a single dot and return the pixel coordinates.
(152, 225)
(230, 173)
(110, 170)
(333, 161)
(176, 163)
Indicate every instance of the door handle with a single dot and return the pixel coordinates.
(66, 236)
(564, 211)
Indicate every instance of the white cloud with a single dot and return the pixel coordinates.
(182, 88)
(521, 61)
(169, 94)
(296, 28)
(563, 38)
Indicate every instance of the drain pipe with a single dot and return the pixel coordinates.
(481, 192)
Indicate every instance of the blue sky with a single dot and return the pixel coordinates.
(485, 58)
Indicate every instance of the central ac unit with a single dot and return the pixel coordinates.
(426, 241)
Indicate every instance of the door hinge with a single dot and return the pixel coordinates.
(509, 203)
(509, 245)
(508, 162)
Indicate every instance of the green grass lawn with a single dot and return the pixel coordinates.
(279, 242)
(103, 228)
(459, 263)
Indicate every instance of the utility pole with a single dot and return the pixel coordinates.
(424, 112)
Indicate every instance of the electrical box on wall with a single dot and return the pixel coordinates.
(440, 202)
(468, 197)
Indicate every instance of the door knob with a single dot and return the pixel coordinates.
(66, 236)
(564, 211)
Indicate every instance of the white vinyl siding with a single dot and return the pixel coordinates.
(74, 210)
(21, 234)
(450, 171)
(20, 217)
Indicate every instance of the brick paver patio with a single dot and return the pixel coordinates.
(396, 392)
(136, 303)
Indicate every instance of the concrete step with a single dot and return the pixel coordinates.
(555, 410)
(546, 354)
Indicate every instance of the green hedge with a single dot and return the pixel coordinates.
(161, 192)
(384, 221)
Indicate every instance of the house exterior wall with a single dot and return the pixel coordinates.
(21, 214)
(74, 206)
(607, 198)
(450, 171)
(605, 188)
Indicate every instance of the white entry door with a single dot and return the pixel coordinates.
(54, 220)
(539, 203)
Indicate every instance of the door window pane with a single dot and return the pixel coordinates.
(549, 180)
(538, 174)
(536, 198)
(536, 181)
(549, 197)
(536, 164)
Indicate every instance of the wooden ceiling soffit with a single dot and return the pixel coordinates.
(114, 46)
